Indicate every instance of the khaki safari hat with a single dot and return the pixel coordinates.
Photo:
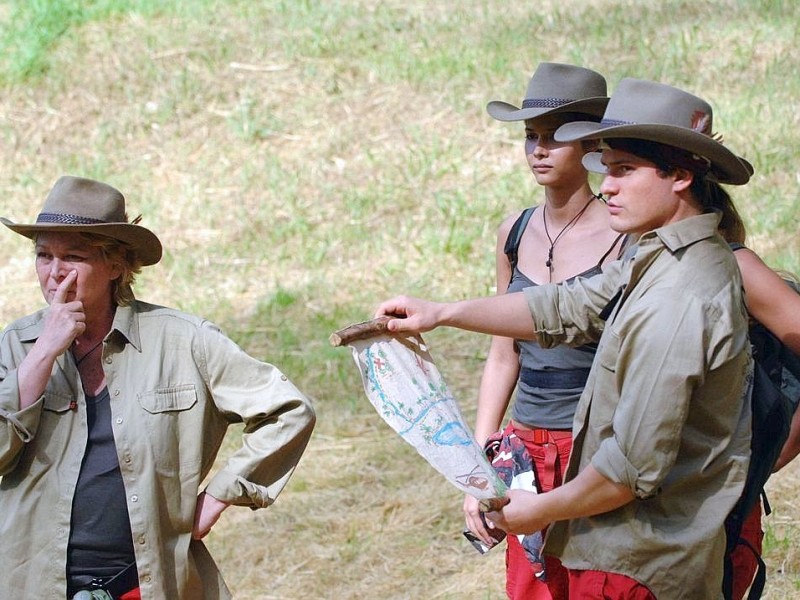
(556, 88)
(646, 110)
(76, 204)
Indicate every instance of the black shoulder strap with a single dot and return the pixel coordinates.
(789, 360)
(515, 235)
(611, 304)
(611, 247)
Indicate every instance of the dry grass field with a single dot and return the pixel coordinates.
(303, 161)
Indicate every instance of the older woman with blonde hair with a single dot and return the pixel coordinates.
(112, 412)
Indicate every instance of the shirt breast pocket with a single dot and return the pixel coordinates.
(174, 420)
(607, 384)
(608, 352)
(57, 417)
(58, 402)
(169, 399)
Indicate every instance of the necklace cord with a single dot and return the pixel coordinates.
(549, 262)
(78, 361)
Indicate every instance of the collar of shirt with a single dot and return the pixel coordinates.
(126, 323)
(686, 232)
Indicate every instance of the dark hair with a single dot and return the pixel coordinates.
(731, 226)
(706, 192)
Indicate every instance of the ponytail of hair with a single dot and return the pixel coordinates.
(711, 195)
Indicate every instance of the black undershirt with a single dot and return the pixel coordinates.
(100, 540)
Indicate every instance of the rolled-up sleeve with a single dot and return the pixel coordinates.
(17, 427)
(569, 312)
(278, 421)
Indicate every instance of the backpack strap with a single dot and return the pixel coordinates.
(789, 360)
(515, 236)
(760, 579)
(612, 246)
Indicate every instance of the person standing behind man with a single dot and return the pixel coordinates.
(662, 430)
(774, 308)
(568, 236)
(112, 412)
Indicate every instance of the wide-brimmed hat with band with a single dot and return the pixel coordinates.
(77, 204)
(556, 88)
(646, 110)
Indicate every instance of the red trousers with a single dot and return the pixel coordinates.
(743, 560)
(612, 586)
(550, 453)
(600, 585)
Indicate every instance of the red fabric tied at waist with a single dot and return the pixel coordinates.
(548, 439)
(541, 436)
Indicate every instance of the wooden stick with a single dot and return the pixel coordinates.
(493, 504)
(359, 331)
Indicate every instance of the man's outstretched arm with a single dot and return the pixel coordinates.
(505, 315)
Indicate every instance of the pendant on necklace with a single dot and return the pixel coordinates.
(549, 262)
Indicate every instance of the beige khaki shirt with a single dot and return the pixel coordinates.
(176, 383)
(665, 411)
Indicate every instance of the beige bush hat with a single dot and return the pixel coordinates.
(555, 88)
(77, 204)
(646, 110)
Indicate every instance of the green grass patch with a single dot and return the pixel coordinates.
(302, 161)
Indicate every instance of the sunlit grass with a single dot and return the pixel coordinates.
(301, 161)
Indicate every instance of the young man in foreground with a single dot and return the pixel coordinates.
(661, 433)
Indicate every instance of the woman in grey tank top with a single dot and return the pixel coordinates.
(564, 237)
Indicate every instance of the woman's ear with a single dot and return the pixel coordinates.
(116, 270)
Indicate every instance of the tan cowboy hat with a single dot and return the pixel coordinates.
(77, 204)
(646, 110)
(556, 88)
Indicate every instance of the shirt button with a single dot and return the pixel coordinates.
(134, 498)
(127, 458)
(284, 378)
(146, 577)
(109, 360)
(116, 392)
(118, 420)
(141, 539)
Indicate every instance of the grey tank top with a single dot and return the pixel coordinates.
(551, 380)
(100, 540)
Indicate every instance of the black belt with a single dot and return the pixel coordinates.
(554, 380)
(116, 585)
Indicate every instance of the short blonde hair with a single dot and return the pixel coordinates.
(119, 253)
